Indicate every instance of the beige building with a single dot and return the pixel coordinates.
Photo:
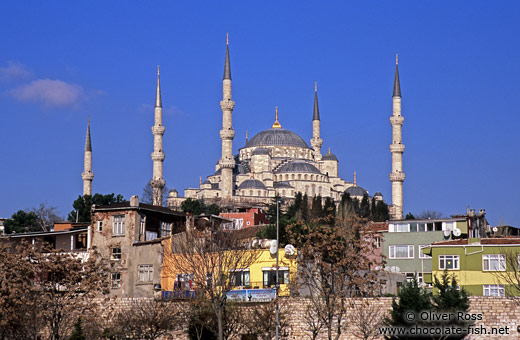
(129, 235)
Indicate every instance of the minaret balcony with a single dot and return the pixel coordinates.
(158, 129)
(157, 156)
(157, 183)
(397, 177)
(398, 148)
(396, 120)
(87, 175)
(227, 163)
(226, 105)
(227, 134)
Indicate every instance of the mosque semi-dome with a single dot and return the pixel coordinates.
(298, 166)
(251, 184)
(329, 157)
(276, 137)
(260, 151)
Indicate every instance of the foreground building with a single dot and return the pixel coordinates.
(129, 235)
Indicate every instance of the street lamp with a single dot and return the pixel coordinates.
(277, 285)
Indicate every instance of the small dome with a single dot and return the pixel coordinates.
(356, 191)
(251, 184)
(206, 182)
(277, 137)
(329, 157)
(282, 184)
(378, 194)
(298, 166)
(260, 151)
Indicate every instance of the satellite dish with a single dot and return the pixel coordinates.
(447, 233)
(397, 269)
(274, 247)
(457, 232)
(495, 229)
(289, 250)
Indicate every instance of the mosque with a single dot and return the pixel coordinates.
(275, 161)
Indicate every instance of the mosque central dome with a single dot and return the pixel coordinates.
(276, 137)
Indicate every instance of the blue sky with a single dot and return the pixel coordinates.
(459, 70)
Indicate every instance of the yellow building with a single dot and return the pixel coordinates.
(257, 277)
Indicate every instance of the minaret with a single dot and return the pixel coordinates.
(87, 174)
(397, 149)
(227, 162)
(157, 181)
(316, 141)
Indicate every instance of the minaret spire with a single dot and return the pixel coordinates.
(87, 174)
(157, 181)
(397, 175)
(227, 162)
(316, 141)
(276, 124)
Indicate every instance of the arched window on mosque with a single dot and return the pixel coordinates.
(250, 192)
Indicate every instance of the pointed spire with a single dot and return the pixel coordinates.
(158, 102)
(329, 150)
(316, 113)
(276, 124)
(88, 144)
(355, 179)
(227, 66)
(397, 86)
(246, 136)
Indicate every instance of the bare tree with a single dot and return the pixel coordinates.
(149, 319)
(313, 321)
(47, 216)
(260, 320)
(209, 257)
(147, 196)
(366, 318)
(334, 266)
(511, 275)
(428, 215)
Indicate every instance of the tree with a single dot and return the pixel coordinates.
(364, 207)
(147, 196)
(83, 205)
(47, 216)
(316, 209)
(412, 299)
(77, 333)
(334, 266)
(381, 212)
(209, 257)
(213, 209)
(429, 214)
(22, 222)
(42, 294)
(511, 276)
(409, 216)
(269, 231)
(261, 320)
(366, 319)
(329, 208)
(190, 205)
(149, 319)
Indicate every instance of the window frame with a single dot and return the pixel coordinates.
(241, 274)
(454, 258)
(118, 225)
(392, 251)
(490, 258)
(500, 288)
(421, 254)
(116, 256)
(115, 283)
(145, 271)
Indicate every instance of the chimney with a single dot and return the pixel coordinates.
(134, 201)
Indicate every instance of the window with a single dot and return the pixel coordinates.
(118, 225)
(378, 242)
(399, 228)
(145, 272)
(115, 280)
(116, 254)
(166, 229)
(495, 262)
(494, 290)
(421, 254)
(449, 262)
(270, 277)
(240, 277)
(401, 252)
(99, 225)
(150, 235)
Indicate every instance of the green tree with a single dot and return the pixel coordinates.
(329, 208)
(285, 219)
(316, 208)
(380, 214)
(77, 333)
(22, 222)
(193, 206)
(412, 299)
(83, 205)
(409, 216)
(213, 209)
(296, 205)
(364, 207)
